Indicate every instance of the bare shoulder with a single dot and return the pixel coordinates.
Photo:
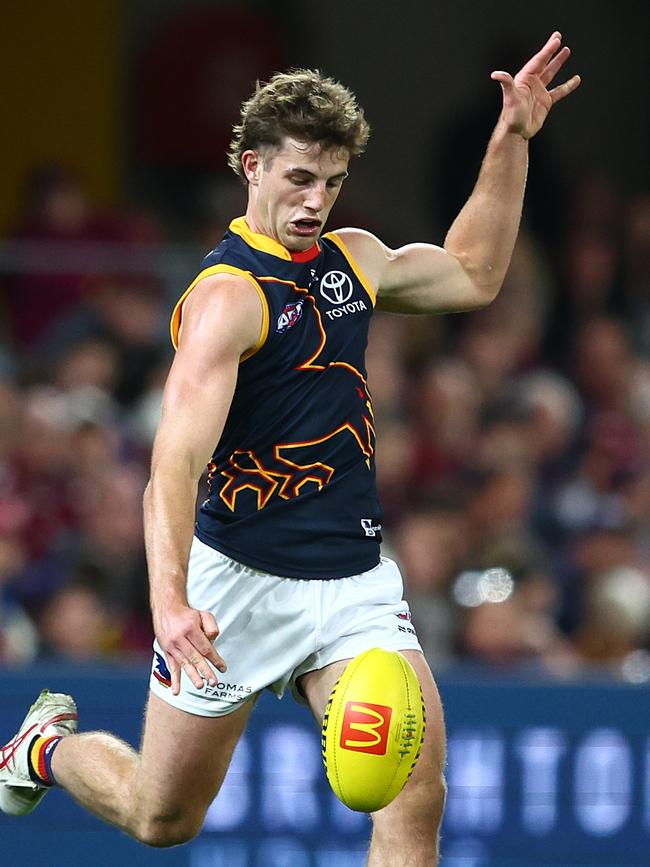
(222, 312)
(359, 239)
(370, 253)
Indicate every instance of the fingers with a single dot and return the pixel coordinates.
(211, 631)
(209, 625)
(545, 65)
(555, 64)
(539, 61)
(194, 664)
(175, 673)
(177, 662)
(562, 90)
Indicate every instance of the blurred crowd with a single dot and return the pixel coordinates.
(512, 452)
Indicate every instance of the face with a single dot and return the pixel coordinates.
(292, 190)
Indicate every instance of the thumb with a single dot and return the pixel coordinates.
(505, 80)
(209, 625)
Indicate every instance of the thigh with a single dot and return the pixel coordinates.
(184, 757)
(317, 685)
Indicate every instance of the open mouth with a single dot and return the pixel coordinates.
(306, 226)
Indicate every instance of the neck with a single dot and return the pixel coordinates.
(257, 225)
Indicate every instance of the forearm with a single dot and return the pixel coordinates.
(483, 235)
(169, 517)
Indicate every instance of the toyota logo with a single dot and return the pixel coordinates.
(336, 286)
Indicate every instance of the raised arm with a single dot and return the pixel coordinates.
(468, 271)
(222, 319)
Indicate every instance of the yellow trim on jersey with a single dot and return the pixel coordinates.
(175, 323)
(361, 277)
(258, 242)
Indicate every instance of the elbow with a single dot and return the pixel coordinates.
(479, 292)
(484, 284)
(176, 472)
(480, 282)
(484, 292)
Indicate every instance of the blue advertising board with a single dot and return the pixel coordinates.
(539, 776)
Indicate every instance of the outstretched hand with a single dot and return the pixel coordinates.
(526, 97)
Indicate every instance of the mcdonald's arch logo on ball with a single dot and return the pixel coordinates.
(373, 729)
(365, 727)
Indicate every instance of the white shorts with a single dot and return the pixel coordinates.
(273, 629)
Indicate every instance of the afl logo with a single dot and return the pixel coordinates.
(336, 287)
(289, 316)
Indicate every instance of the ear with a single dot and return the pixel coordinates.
(252, 164)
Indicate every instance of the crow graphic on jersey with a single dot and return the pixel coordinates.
(290, 466)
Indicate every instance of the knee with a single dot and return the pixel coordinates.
(426, 800)
(417, 810)
(161, 832)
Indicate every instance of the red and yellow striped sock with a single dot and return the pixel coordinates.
(40, 759)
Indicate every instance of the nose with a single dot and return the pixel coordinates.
(315, 198)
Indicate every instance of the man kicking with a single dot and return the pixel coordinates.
(283, 568)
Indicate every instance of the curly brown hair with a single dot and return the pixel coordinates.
(303, 104)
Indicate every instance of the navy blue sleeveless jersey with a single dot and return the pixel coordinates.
(292, 480)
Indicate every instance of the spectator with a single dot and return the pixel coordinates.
(57, 211)
(18, 635)
(77, 626)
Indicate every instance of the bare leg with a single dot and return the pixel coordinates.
(159, 795)
(406, 832)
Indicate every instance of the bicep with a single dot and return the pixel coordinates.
(423, 278)
(417, 278)
(219, 326)
(195, 406)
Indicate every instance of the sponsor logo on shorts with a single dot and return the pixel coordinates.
(406, 616)
(160, 670)
(365, 727)
(229, 691)
(289, 317)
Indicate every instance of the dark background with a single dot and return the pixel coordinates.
(82, 82)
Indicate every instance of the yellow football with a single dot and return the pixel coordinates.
(373, 729)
